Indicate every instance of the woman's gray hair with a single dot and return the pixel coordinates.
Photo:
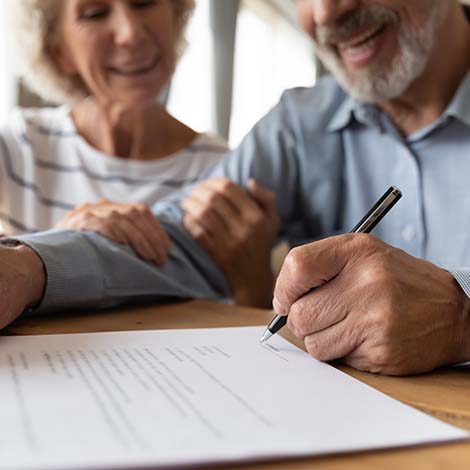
(34, 24)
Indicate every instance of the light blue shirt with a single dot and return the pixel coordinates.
(328, 158)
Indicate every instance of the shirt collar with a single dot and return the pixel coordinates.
(368, 114)
(343, 115)
(364, 113)
(459, 106)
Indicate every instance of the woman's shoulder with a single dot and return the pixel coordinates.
(43, 121)
(208, 143)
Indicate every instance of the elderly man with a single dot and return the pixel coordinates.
(397, 112)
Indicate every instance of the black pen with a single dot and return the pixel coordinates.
(368, 222)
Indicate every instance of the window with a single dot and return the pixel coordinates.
(190, 98)
(271, 54)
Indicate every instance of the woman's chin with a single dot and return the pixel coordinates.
(138, 99)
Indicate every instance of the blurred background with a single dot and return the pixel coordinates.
(241, 55)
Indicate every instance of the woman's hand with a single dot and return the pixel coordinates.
(238, 229)
(131, 224)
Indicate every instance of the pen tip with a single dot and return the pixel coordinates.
(266, 335)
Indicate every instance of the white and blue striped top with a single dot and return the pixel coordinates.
(47, 168)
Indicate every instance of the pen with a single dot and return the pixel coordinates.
(367, 223)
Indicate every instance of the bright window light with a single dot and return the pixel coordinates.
(271, 55)
(191, 95)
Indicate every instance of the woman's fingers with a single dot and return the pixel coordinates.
(136, 238)
(203, 236)
(215, 203)
(93, 223)
(263, 196)
(208, 220)
(237, 228)
(156, 236)
(123, 223)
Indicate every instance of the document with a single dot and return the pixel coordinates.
(156, 399)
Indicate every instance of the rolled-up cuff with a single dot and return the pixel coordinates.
(70, 270)
(462, 276)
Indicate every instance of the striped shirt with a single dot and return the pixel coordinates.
(47, 168)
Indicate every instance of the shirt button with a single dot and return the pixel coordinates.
(409, 233)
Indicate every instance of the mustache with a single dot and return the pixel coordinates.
(362, 18)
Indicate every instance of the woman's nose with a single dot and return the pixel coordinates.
(128, 27)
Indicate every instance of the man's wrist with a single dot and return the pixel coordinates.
(35, 272)
(463, 304)
(466, 308)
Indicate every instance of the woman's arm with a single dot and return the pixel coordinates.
(238, 229)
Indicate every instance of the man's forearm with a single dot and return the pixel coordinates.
(22, 280)
(36, 274)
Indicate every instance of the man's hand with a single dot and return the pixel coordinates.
(238, 230)
(130, 224)
(376, 307)
(22, 281)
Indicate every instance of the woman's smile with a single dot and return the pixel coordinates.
(136, 68)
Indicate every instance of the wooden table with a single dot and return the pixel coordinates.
(444, 393)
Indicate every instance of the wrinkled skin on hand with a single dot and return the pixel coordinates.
(130, 224)
(22, 281)
(238, 229)
(373, 306)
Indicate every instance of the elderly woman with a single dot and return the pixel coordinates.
(105, 62)
(98, 161)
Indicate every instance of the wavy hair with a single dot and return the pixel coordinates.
(34, 24)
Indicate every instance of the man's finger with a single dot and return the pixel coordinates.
(208, 218)
(310, 266)
(333, 343)
(318, 310)
(263, 196)
(234, 195)
(200, 234)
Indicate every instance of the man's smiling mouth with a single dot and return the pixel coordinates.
(363, 39)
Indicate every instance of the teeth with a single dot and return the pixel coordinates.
(357, 41)
(136, 68)
(361, 47)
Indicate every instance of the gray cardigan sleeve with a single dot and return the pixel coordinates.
(86, 270)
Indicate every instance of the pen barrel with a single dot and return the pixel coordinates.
(378, 211)
(278, 322)
(367, 224)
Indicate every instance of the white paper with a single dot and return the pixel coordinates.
(182, 397)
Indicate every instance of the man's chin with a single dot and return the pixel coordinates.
(371, 92)
(364, 84)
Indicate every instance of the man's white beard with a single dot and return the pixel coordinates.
(384, 81)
